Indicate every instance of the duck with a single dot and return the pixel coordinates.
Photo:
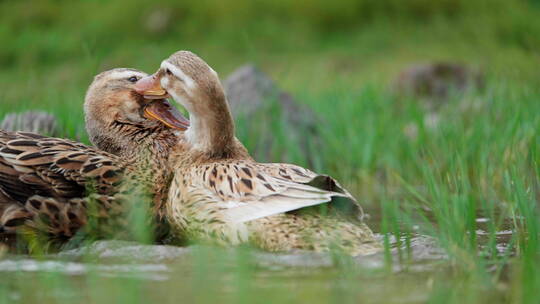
(53, 185)
(220, 194)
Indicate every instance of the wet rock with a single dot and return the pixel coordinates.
(156, 262)
(255, 99)
(152, 271)
(126, 250)
(296, 259)
(435, 82)
(31, 121)
(425, 248)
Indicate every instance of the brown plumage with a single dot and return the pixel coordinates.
(219, 193)
(49, 183)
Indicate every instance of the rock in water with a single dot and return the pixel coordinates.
(132, 251)
(31, 121)
(255, 99)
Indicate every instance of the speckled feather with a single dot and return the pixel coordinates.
(54, 185)
(43, 177)
(220, 194)
(236, 201)
(55, 179)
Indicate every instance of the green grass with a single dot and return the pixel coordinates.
(480, 161)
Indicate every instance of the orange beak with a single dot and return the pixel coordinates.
(161, 110)
(150, 87)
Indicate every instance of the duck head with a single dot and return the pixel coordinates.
(192, 83)
(117, 116)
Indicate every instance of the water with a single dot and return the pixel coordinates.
(202, 274)
(122, 258)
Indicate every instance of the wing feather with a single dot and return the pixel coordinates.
(32, 164)
(247, 191)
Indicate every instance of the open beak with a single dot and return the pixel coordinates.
(162, 111)
(150, 88)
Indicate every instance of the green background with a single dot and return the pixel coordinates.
(340, 58)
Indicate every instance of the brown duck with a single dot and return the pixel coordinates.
(219, 193)
(48, 183)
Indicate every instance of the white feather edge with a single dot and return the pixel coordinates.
(276, 204)
(295, 196)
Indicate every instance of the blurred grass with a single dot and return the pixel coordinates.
(481, 160)
(316, 44)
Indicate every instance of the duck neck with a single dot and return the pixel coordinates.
(212, 130)
(136, 142)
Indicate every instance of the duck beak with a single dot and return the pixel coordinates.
(150, 88)
(162, 111)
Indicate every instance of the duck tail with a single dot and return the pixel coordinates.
(286, 232)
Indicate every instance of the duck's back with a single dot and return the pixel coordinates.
(47, 179)
(242, 200)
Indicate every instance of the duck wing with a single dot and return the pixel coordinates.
(32, 164)
(247, 191)
(47, 182)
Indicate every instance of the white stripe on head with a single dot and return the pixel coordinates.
(125, 74)
(214, 72)
(188, 81)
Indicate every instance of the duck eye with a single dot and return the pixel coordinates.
(132, 79)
